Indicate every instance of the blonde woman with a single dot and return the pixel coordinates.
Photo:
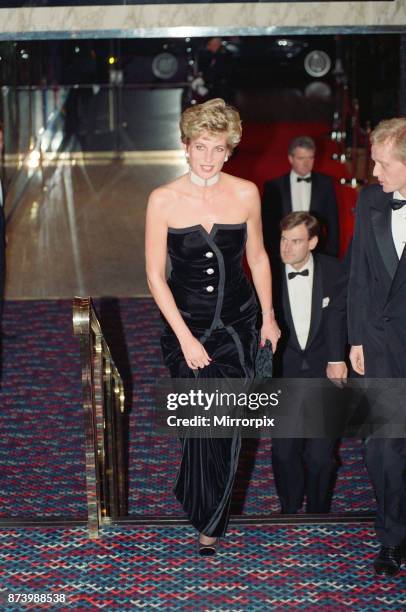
(205, 220)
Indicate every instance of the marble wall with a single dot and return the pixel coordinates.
(201, 19)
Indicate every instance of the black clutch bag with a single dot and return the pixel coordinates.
(263, 361)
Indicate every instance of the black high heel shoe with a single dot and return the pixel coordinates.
(207, 550)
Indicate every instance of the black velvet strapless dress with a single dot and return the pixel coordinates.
(219, 306)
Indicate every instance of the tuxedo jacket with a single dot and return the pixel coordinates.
(328, 326)
(277, 203)
(377, 288)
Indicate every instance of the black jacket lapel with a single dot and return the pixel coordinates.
(287, 311)
(313, 194)
(317, 297)
(286, 195)
(400, 275)
(382, 226)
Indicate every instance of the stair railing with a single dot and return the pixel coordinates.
(104, 421)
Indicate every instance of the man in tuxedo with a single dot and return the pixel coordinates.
(377, 323)
(312, 345)
(301, 190)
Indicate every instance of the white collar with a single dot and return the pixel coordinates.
(204, 182)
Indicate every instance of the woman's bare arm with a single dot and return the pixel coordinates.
(258, 262)
(156, 232)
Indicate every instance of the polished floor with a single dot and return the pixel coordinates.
(76, 196)
(77, 226)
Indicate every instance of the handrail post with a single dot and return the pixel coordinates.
(103, 405)
(82, 328)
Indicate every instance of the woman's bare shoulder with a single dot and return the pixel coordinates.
(164, 195)
(243, 187)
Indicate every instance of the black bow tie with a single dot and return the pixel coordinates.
(396, 204)
(302, 273)
(307, 179)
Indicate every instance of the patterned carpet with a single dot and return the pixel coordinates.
(41, 402)
(319, 567)
(274, 568)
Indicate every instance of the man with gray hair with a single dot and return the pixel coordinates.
(301, 190)
(377, 323)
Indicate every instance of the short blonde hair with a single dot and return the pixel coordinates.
(393, 131)
(213, 116)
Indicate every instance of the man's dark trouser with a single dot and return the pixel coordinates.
(304, 466)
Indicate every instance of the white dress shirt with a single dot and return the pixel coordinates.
(399, 225)
(301, 192)
(300, 291)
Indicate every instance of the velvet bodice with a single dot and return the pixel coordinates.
(207, 278)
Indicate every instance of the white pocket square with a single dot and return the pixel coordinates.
(325, 302)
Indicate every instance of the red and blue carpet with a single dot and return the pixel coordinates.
(310, 567)
(41, 420)
(271, 568)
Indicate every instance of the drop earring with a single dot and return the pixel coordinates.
(226, 158)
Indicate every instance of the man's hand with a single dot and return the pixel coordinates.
(337, 373)
(357, 359)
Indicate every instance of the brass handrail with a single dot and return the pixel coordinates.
(103, 405)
